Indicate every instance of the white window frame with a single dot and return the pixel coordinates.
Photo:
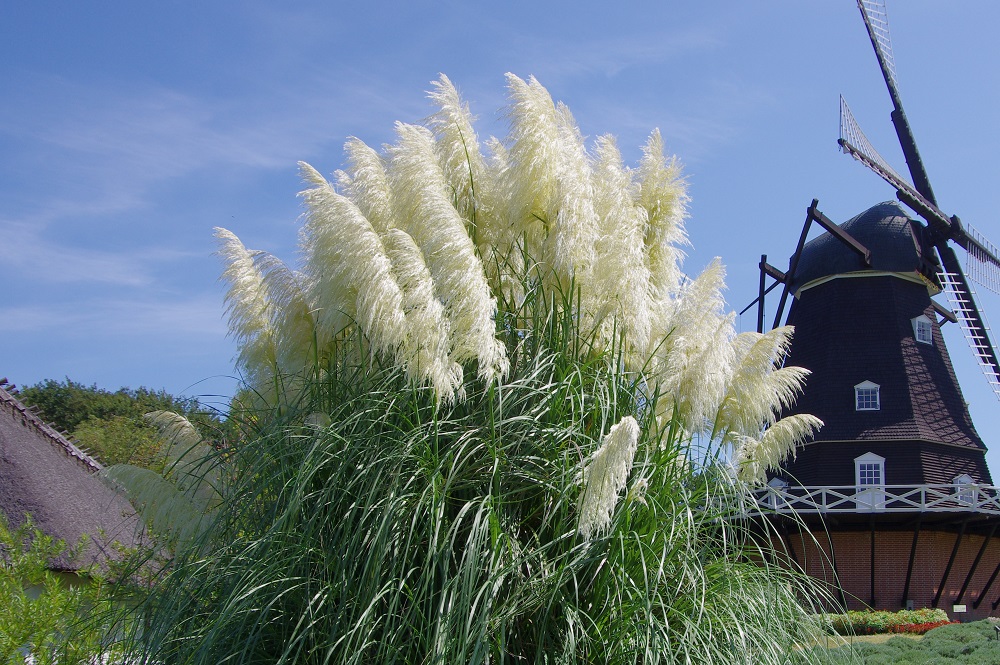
(862, 396)
(869, 482)
(966, 489)
(923, 330)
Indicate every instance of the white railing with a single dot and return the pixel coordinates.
(880, 499)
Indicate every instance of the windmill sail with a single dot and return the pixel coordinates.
(982, 265)
(974, 325)
(877, 23)
(854, 142)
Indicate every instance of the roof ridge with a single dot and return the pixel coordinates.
(29, 418)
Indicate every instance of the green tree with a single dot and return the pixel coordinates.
(112, 425)
(120, 440)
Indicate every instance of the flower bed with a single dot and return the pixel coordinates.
(878, 622)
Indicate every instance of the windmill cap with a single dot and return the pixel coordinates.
(893, 239)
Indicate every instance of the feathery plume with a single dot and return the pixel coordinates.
(753, 457)
(605, 475)
(662, 192)
(382, 283)
(621, 274)
(350, 272)
(297, 338)
(531, 182)
(458, 149)
(759, 388)
(366, 183)
(421, 196)
(694, 361)
(427, 329)
(247, 307)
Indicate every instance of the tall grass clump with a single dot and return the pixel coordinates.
(470, 428)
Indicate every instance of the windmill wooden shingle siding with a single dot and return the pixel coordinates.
(854, 323)
(46, 476)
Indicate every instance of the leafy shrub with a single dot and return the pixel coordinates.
(40, 614)
(868, 622)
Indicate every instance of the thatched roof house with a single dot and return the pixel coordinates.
(43, 474)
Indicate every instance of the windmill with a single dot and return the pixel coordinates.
(896, 483)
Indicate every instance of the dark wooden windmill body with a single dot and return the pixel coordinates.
(892, 502)
(876, 326)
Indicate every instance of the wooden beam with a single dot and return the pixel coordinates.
(945, 313)
(951, 562)
(871, 569)
(841, 235)
(975, 564)
(794, 262)
(913, 555)
(986, 589)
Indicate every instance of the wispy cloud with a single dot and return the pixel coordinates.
(39, 259)
(120, 318)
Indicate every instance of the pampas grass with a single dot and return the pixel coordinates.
(492, 458)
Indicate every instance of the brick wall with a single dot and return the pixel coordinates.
(851, 551)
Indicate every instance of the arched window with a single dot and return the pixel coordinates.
(866, 396)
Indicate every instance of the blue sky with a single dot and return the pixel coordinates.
(128, 131)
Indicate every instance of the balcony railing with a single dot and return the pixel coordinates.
(879, 499)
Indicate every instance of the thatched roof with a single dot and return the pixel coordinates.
(43, 474)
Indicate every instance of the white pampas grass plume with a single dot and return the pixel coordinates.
(382, 283)
(662, 192)
(366, 183)
(753, 457)
(458, 149)
(427, 329)
(350, 272)
(574, 233)
(693, 363)
(533, 152)
(621, 276)
(759, 388)
(420, 193)
(291, 315)
(247, 308)
(604, 477)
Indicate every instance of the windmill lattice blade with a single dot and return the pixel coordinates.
(981, 263)
(963, 304)
(876, 16)
(854, 142)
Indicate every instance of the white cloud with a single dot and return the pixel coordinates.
(39, 259)
(130, 319)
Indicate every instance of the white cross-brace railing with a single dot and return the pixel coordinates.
(879, 498)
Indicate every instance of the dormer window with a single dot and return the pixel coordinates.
(866, 397)
(922, 330)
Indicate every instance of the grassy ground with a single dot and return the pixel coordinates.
(972, 643)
